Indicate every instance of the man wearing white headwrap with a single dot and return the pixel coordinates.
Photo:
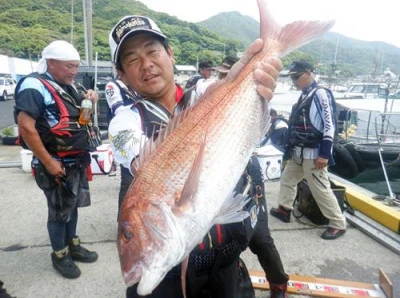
(47, 109)
(58, 50)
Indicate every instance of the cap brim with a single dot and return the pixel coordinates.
(221, 69)
(287, 74)
(132, 33)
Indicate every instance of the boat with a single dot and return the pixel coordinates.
(362, 91)
(368, 138)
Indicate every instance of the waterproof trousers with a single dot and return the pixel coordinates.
(262, 245)
(295, 170)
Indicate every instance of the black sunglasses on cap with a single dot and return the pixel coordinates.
(296, 76)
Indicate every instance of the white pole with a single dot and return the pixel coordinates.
(72, 22)
(85, 33)
(95, 120)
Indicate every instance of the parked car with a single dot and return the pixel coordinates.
(7, 88)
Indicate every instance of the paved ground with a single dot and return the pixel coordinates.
(25, 265)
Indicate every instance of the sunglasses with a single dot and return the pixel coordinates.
(296, 76)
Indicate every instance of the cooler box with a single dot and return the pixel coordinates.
(102, 159)
(270, 159)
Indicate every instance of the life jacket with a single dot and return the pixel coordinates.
(67, 137)
(154, 116)
(302, 133)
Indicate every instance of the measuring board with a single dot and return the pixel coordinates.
(324, 287)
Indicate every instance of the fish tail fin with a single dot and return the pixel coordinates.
(291, 36)
(299, 33)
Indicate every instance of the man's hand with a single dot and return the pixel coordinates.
(265, 72)
(92, 95)
(55, 168)
(320, 163)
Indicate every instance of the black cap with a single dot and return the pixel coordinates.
(207, 64)
(300, 66)
(128, 26)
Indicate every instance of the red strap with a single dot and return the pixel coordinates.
(178, 93)
(219, 233)
(201, 245)
(67, 153)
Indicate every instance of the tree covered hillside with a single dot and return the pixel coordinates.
(27, 26)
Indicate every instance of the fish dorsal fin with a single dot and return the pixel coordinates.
(167, 126)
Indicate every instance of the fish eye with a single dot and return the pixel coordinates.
(127, 231)
(128, 234)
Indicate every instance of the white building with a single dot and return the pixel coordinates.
(16, 67)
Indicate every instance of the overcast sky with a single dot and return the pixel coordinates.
(361, 19)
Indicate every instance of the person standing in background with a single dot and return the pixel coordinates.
(49, 116)
(309, 144)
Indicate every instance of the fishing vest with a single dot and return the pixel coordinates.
(67, 137)
(302, 132)
(154, 116)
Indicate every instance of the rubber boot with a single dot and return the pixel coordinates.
(64, 264)
(81, 254)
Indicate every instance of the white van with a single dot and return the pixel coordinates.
(7, 88)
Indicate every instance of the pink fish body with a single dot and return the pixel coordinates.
(185, 183)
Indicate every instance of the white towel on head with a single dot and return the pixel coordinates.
(58, 50)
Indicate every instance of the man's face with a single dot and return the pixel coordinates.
(301, 79)
(206, 73)
(147, 66)
(63, 72)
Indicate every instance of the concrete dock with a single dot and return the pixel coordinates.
(25, 265)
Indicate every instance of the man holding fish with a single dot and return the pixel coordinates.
(187, 169)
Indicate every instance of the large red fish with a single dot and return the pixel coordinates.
(185, 183)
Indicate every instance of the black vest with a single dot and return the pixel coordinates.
(302, 132)
(154, 116)
(67, 136)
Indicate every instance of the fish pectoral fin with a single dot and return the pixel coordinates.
(185, 200)
(232, 210)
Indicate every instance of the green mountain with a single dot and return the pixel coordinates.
(353, 57)
(234, 25)
(27, 26)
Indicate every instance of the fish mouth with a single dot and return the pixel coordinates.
(133, 276)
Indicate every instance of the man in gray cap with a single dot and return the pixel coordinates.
(48, 110)
(309, 144)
